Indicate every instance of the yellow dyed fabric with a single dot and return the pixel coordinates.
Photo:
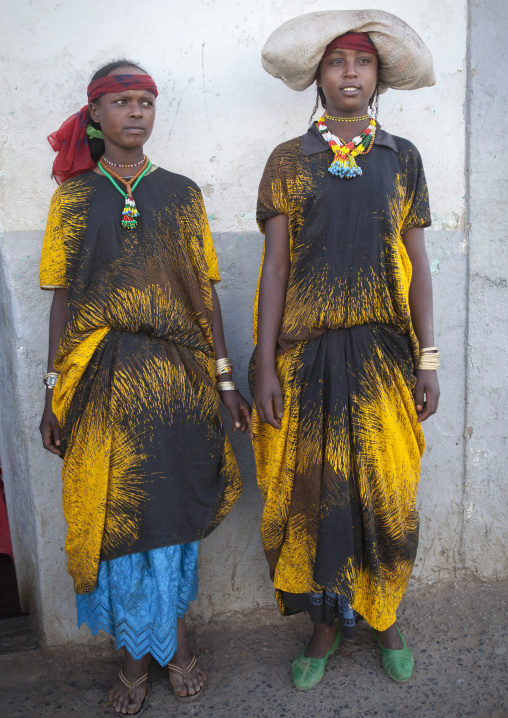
(340, 478)
(146, 462)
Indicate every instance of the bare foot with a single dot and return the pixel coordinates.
(390, 638)
(195, 679)
(119, 693)
(322, 640)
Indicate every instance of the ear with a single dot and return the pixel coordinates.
(94, 112)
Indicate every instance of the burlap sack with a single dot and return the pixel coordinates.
(293, 52)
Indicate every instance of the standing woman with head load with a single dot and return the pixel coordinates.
(344, 370)
(137, 359)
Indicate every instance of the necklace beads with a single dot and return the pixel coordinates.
(112, 164)
(130, 213)
(344, 163)
(363, 118)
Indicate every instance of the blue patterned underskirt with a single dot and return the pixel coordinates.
(139, 597)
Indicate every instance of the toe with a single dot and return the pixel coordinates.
(180, 687)
(134, 707)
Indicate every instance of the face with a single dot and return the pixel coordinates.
(348, 79)
(126, 118)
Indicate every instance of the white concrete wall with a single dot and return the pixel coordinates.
(219, 116)
(485, 544)
(219, 113)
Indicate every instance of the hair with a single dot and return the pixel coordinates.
(320, 100)
(96, 145)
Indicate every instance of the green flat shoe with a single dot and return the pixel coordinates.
(307, 672)
(398, 663)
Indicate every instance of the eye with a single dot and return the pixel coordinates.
(148, 103)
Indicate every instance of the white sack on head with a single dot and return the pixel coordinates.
(294, 50)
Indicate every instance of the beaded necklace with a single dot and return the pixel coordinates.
(344, 163)
(363, 118)
(112, 164)
(130, 213)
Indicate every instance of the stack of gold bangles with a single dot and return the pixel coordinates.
(222, 367)
(428, 358)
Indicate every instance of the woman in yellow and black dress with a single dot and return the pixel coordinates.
(344, 368)
(135, 332)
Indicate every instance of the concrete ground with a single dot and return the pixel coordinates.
(458, 634)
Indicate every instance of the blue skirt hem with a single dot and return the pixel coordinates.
(139, 597)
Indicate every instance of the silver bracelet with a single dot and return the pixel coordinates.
(50, 379)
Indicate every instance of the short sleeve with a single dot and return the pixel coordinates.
(208, 245)
(194, 216)
(416, 211)
(210, 255)
(273, 191)
(52, 269)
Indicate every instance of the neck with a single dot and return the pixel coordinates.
(346, 130)
(121, 156)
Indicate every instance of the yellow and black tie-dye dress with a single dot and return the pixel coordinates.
(340, 478)
(146, 462)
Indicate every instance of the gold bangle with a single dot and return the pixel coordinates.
(428, 359)
(224, 370)
(226, 386)
(219, 363)
(428, 364)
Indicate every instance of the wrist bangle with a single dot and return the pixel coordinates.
(221, 363)
(50, 379)
(224, 370)
(428, 359)
(226, 386)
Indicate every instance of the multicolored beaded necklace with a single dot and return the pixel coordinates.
(130, 213)
(344, 163)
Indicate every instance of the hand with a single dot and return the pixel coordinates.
(268, 397)
(50, 429)
(240, 411)
(426, 394)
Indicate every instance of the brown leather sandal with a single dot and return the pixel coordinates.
(184, 673)
(132, 685)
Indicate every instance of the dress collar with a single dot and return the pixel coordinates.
(313, 142)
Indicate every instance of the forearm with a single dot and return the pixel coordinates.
(57, 319)
(272, 296)
(272, 289)
(219, 341)
(420, 303)
(420, 290)
(233, 400)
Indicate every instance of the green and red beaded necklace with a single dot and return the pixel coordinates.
(130, 213)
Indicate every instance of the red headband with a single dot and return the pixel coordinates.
(352, 41)
(71, 141)
(118, 83)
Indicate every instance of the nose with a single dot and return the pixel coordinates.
(350, 68)
(135, 110)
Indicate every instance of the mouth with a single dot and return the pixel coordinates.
(350, 89)
(135, 129)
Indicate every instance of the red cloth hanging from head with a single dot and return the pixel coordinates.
(71, 140)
